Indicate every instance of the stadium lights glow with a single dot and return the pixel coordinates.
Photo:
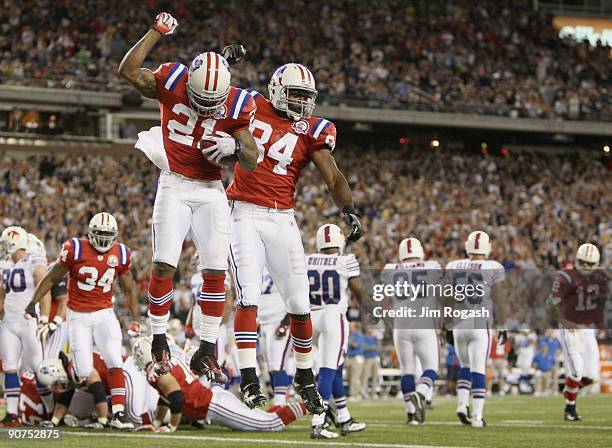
(606, 148)
(435, 143)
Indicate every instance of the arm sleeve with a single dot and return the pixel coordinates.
(352, 266)
(59, 288)
(324, 136)
(66, 258)
(245, 117)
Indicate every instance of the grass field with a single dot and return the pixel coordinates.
(511, 422)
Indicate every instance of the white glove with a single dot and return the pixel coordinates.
(222, 147)
(165, 24)
(42, 330)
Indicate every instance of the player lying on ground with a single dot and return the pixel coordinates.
(579, 299)
(195, 103)
(182, 393)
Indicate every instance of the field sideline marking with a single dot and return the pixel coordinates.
(237, 439)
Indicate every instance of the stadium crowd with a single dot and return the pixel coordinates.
(489, 58)
(537, 207)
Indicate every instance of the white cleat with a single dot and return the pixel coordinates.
(321, 432)
(478, 422)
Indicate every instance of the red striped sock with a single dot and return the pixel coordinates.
(301, 335)
(116, 383)
(212, 302)
(161, 292)
(291, 412)
(571, 388)
(245, 332)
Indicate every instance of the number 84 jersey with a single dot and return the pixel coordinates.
(285, 149)
(91, 275)
(328, 275)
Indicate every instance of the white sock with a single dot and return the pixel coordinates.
(423, 389)
(343, 415)
(319, 419)
(303, 360)
(159, 323)
(209, 328)
(247, 358)
(463, 397)
(477, 407)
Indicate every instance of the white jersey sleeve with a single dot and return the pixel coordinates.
(19, 284)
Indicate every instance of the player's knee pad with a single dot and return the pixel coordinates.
(176, 400)
(97, 391)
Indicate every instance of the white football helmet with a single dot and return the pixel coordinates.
(51, 374)
(14, 238)
(411, 248)
(478, 244)
(292, 91)
(36, 246)
(588, 253)
(141, 351)
(208, 84)
(103, 231)
(330, 236)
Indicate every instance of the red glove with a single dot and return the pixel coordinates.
(165, 24)
(189, 333)
(134, 329)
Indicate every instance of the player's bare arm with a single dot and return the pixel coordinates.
(131, 66)
(247, 156)
(170, 389)
(339, 190)
(43, 287)
(131, 295)
(356, 287)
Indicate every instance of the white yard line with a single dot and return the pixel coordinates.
(318, 442)
(503, 424)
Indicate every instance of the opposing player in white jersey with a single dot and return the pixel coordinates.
(196, 103)
(473, 337)
(416, 340)
(331, 274)
(274, 339)
(20, 275)
(52, 327)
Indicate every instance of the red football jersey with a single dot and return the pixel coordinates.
(581, 297)
(285, 148)
(31, 408)
(91, 275)
(183, 128)
(197, 396)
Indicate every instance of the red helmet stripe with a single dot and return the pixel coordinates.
(207, 71)
(216, 72)
(409, 247)
(301, 72)
(327, 237)
(477, 241)
(309, 75)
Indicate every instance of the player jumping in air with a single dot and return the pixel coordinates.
(579, 299)
(264, 231)
(195, 102)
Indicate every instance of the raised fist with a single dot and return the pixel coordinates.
(165, 24)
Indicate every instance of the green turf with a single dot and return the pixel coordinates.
(515, 422)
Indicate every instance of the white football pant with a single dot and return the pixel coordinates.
(414, 345)
(473, 348)
(17, 340)
(581, 353)
(330, 332)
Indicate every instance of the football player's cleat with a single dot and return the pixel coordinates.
(160, 351)
(10, 420)
(94, 425)
(321, 432)
(478, 422)
(203, 363)
(350, 426)
(47, 424)
(571, 415)
(410, 420)
(464, 415)
(418, 400)
(304, 384)
(120, 421)
(428, 404)
(252, 396)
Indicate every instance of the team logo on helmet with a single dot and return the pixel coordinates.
(301, 127)
(13, 234)
(197, 62)
(112, 261)
(221, 113)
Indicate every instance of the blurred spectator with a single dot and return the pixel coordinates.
(544, 364)
(371, 353)
(355, 360)
(524, 347)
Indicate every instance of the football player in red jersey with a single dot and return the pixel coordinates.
(182, 393)
(93, 265)
(195, 103)
(264, 230)
(579, 298)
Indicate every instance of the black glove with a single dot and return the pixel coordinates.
(352, 220)
(448, 334)
(233, 53)
(502, 337)
(31, 309)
